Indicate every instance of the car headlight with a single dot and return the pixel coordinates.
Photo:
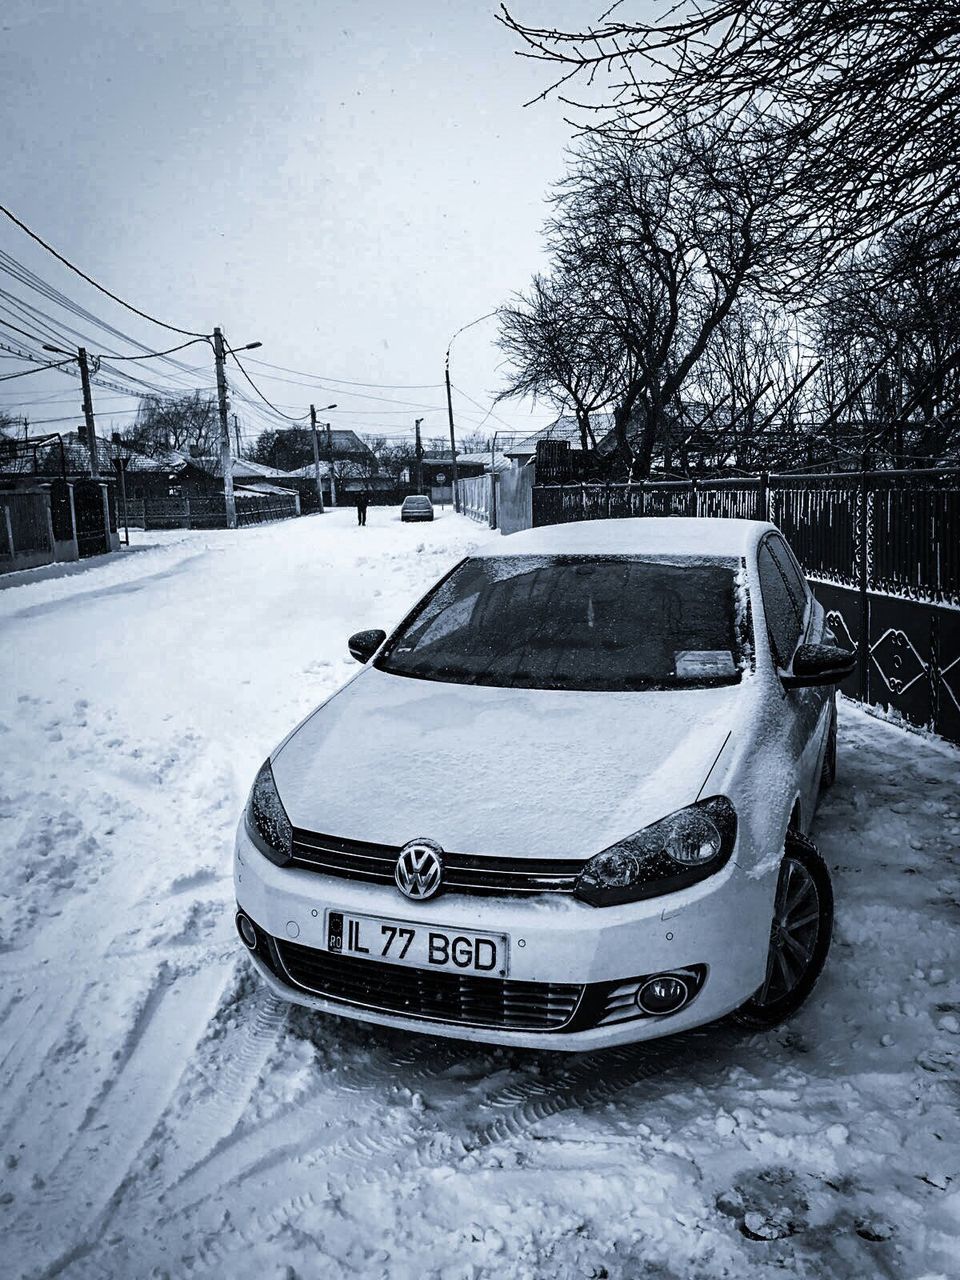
(266, 819)
(675, 852)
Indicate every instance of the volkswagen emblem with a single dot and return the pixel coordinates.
(419, 869)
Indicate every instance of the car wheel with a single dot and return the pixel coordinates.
(828, 770)
(799, 936)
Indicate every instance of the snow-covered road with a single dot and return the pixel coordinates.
(160, 1115)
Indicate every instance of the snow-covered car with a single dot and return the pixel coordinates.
(416, 506)
(565, 803)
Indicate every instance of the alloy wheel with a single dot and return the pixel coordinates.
(794, 933)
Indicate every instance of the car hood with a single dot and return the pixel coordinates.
(515, 772)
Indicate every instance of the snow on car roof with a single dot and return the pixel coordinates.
(647, 535)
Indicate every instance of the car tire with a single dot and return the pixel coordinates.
(828, 770)
(799, 937)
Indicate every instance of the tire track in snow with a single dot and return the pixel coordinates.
(213, 1120)
(382, 1154)
(33, 1035)
(67, 1219)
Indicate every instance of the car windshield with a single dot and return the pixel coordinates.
(577, 622)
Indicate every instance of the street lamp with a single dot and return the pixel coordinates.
(446, 374)
(220, 350)
(316, 456)
(81, 359)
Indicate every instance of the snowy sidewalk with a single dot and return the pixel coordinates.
(161, 1115)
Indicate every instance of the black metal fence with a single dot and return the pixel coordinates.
(209, 513)
(881, 549)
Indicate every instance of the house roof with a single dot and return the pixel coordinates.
(307, 472)
(500, 460)
(563, 428)
(76, 458)
(243, 468)
(261, 487)
(342, 442)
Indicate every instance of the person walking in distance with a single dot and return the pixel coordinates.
(362, 501)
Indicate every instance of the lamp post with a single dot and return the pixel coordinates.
(446, 378)
(81, 359)
(316, 456)
(226, 461)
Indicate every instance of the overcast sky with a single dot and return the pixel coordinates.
(348, 182)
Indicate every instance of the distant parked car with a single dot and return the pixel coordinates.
(416, 507)
(566, 803)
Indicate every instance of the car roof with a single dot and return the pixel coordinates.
(417, 497)
(647, 535)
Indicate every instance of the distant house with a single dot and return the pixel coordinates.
(475, 464)
(564, 428)
(438, 471)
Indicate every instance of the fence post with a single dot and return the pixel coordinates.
(9, 524)
(48, 512)
(763, 496)
(694, 497)
(863, 642)
(186, 513)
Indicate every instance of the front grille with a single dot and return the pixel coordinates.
(462, 873)
(437, 995)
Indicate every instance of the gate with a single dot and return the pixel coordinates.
(92, 536)
(60, 511)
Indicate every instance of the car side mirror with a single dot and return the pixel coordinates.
(364, 644)
(819, 664)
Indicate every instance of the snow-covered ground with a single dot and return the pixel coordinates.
(160, 1115)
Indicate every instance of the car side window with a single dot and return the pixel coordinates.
(794, 579)
(784, 623)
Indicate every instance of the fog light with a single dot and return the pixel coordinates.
(662, 995)
(246, 931)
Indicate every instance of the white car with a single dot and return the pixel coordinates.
(564, 804)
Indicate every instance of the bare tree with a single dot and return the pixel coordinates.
(558, 348)
(860, 100)
(181, 422)
(888, 339)
(651, 249)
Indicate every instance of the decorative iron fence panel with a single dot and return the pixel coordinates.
(881, 549)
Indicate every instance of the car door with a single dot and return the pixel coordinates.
(793, 617)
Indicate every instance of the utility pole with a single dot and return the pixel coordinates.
(236, 435)
(226, 462)
(316, 456)
(453, 438)
(88, 411)
(333, 479)
(416, 427)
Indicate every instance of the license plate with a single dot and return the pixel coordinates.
(417, 945)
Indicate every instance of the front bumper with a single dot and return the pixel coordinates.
(721, 925)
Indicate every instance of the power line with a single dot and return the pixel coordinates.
(189, 333)
(376, 386)
(154, 355)
(267, 402)
(25, 373)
